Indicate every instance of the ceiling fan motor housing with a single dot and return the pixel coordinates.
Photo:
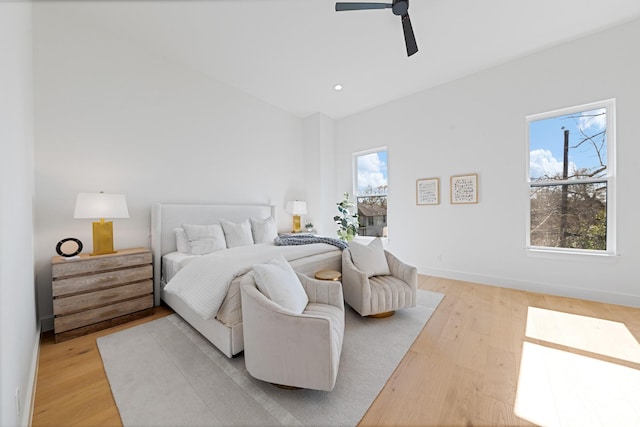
(400, 7)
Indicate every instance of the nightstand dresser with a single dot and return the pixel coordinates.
(91, 293)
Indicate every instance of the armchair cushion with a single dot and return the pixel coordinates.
(323, 291)
(370, 259)
(278, 282)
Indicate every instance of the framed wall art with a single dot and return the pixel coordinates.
(428, 191)
(464, 189)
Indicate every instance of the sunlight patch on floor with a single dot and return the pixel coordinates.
(599, 336)
(560, 388)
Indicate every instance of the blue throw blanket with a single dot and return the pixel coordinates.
(307, 239)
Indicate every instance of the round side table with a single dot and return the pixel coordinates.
(328, 275)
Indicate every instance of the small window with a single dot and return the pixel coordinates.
(571, 180)
(370, 189)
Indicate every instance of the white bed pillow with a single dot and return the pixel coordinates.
(370, 258)
(278, 282)
(182, 243)
(237, 234)
(264, 230)
(204, 239)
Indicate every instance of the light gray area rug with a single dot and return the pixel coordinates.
(164, 373)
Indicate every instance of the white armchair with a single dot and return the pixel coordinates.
(379, 295)
(297, 350)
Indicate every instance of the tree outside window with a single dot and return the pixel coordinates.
(371, 183)
(571, 179)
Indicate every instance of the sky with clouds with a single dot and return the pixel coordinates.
(372, 170)
(546, 143)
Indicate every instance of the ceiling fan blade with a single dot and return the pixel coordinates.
(361, 6)
(409, 37)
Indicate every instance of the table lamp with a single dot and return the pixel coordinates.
(297, 208)
(101, 206)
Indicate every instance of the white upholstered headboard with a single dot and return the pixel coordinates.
(165, 218)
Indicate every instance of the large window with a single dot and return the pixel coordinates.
(370, 189)
(571, 179)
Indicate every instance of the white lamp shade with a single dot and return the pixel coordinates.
(297, 207)
(101, 205)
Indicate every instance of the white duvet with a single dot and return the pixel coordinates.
(204, 282)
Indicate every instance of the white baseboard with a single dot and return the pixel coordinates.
(540, 287)
(30, 395)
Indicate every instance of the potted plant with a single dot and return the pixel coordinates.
(309, 226)
(347, 222)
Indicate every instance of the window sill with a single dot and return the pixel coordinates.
(569, 255)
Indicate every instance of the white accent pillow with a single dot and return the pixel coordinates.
(264, 230)
(370, 258)
(237, 234)
(204, 239)
(182, 243)
(278, 282)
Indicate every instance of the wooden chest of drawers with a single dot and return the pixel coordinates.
(96, 292)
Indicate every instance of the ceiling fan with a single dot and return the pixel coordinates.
(398, 7)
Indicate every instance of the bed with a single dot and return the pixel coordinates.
(175, 271)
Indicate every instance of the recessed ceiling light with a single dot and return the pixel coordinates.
(337, 87)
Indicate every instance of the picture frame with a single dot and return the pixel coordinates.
(428, 191)
(464, 189)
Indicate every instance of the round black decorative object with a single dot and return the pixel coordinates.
(69, 247)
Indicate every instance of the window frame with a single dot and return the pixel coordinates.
(610, 179)
(354, 170)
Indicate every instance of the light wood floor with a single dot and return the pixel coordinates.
(463, 370)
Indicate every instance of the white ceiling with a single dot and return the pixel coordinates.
(290, 53)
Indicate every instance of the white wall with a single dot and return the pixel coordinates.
(477, 125)
(116, 117)
(19, 328)
(320, 173)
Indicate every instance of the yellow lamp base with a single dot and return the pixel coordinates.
(296, 223)
(102, 238)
